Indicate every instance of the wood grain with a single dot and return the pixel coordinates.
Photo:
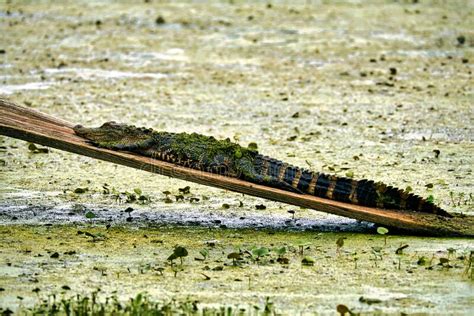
(33, 126)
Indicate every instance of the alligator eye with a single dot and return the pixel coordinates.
(223, 170)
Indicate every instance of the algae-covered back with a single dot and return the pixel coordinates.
(193, 150)
(206, 148)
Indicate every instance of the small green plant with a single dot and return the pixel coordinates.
(268, 308)
(234, 256)
(302, 246)
(460, 198)
(339, 244)
(185, 190)
(377, 252)
(308, 261)
(451, 195)
(355, 258)
(128, 197)
(445, 263)
(204, 253)
(80, 190)
(422, 261)
(141, 304)
(37, 150)
(399, 253)
(260, 252)
(451, 251)
(383, 231)
(178, 252)
(281, 251)
(469, 270)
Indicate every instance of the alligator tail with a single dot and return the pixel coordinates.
(360, 192)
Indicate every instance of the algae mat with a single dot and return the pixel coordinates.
(380, 91)
(300, 272)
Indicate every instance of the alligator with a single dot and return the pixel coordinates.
(223, 157)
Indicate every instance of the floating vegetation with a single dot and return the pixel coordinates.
(90, 215)
(136, 196)
(95, 237)
(383, 231)
(227, 258)
(422, 261)
(225, 206)
(96, 305)
(234, 256)
(37, 150)
(204, 253)
(340, 243)
(132, 197)
(308, 261)
(281, 251)
(460, 199)
(185, 190)
(178, 252)
(80, 190)
(369, 301)
(469, 270)
(260, 252)
(55, 255)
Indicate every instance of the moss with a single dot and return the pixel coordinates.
(197, 145)
(206, 151)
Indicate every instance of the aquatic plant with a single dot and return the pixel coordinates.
(141, 304)
(383, 231)
(178, 252)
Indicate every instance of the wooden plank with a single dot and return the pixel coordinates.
(33, 126)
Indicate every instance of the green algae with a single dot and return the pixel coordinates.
(139, 258)
(209, 149)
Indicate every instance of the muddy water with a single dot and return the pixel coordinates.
(381, 91)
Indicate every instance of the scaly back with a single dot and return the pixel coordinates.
(224, 157)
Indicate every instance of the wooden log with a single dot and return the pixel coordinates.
(33, 126)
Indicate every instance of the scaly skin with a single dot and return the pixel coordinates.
(226, 158)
